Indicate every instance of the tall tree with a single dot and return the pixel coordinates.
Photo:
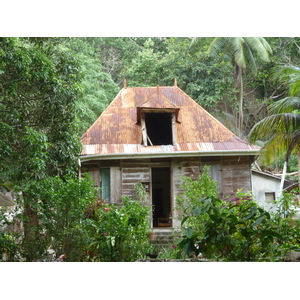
(98, 87)
(146, 67)
(241, 51)
(281, 130)
(39, 84)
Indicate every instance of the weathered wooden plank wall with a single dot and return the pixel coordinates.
(235, 174)
(231, 174)
(133, 172)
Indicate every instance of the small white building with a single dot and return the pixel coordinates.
(265, 189)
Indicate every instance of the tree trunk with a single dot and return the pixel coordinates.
(241, 114)
(31, 236)
(238, 75)
(299, 171)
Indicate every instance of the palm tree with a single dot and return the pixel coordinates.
(241, 51)
(281, 129)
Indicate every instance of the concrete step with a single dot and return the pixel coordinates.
(162, 237)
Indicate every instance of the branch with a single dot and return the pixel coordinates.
(297, 45)
(288, 174)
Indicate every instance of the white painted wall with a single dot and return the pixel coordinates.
(262, 184)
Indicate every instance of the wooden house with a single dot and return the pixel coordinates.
(157, 135)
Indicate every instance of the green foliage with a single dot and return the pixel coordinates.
(168, 252)
(60, 208)
(287, 205)
(285, 49)
(71, 221)
(39, 86)
(98, 87)
(119, 234)
(195, 190)
(141, 192)
(8, 247)
(235, 229)
(145, 69)
(206, 80)
(280, 130)
(40, 82)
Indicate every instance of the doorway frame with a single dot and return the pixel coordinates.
(170, 221)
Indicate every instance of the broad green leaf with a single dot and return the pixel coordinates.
(188, 232)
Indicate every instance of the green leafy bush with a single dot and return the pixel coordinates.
(8, 247)
(58, 206)
(195, 190)
(119, 233)
(234, 229)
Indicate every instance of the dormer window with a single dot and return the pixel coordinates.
(157, 117)
(158, 128)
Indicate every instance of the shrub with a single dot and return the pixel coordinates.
(58, 206)
(234, 229)
(8, 247)
(195, 190)
(119, 233)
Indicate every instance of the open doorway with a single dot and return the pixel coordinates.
(161, 197)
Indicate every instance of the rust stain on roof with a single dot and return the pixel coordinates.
(118, 130)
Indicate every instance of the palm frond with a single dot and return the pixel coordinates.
(286, 105)
(294, 145)
(295, 87)
(275, 147)
(249, 58)
(260, 46)
(217, 45)
(289, 77)
(286, 124)
(280, 134)
(238, 51)
(242, 49)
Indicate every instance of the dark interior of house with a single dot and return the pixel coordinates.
(161, 197)
(159, 128)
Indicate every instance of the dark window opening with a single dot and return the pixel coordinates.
(159, 128)
(270, 197)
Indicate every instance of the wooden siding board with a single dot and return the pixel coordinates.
(235, 174)
(132, 175)
(116, 184)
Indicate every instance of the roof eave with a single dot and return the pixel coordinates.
(112, 156)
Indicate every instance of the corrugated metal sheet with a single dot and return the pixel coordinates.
(117, 130)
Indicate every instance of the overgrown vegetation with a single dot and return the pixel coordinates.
(57, 219)
(119, 233)
(74, 222)
(236, 228)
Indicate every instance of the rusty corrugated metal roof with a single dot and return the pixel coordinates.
(118, 131)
